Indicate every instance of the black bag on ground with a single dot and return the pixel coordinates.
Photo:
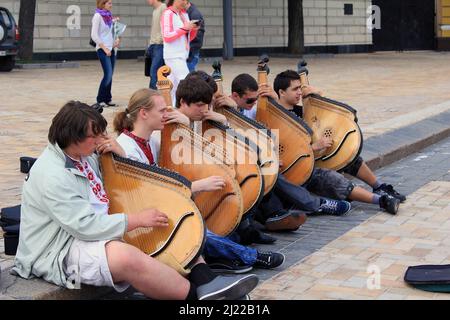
(10, 223)
(26, 163)
(434, 278)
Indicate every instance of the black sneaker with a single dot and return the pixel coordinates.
(98, 107)
(389, 203)
(228, 266)
(334, 207)
(227, 288)
(269, 260)
(252, 235)
(389, 189)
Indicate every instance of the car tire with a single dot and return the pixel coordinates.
(7, 63)
(3, 32)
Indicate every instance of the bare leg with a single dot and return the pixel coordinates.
(149, 276)
(366, 175)
(362, 195)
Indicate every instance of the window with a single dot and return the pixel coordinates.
(5, 18)
(348, 9)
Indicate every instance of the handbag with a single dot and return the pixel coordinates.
(92, 43)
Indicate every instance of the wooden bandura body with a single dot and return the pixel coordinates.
(294, 136)
(332, 119)
(243, 159)
(256, 136)
(133, 186)
(222, 210)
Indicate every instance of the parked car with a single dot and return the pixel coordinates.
(9, 40)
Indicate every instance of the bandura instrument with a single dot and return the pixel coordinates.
(255, 135)
(188, 153)
(294, 135)
(133, 186)
(333, 119)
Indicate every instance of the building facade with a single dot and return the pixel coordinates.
(62, 27)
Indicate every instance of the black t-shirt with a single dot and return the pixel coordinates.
(298, 111)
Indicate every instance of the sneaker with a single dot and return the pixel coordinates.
(389, 189)
(252, 235)
(227, 288)
(269, 260)
(228, 266)
(334, 207)
(246, 297)
(111, 104)
(98, 107)
(286, 221)
(389, 203)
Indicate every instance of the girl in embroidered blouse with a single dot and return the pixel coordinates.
(139, 132)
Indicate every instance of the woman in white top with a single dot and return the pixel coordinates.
(102, 35)
(177, 31)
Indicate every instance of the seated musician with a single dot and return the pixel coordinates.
(66, 233)
(245, 92)
(145, 114)
(328, 182)
(271, 206)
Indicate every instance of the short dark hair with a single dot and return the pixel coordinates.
(194, 90)
(243, 83)
(283, 80)
(205, 77)
(72, 123)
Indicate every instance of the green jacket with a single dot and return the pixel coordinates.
(56, 210)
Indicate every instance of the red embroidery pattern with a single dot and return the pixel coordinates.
(143, 144)
(96, 186)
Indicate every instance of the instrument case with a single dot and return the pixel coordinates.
(434, 278)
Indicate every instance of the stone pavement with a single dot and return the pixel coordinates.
(330, 257)
(360, 80)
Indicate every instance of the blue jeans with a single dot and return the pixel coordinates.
(104, 91)
(295, 195)
(224, 248)
(155, 51)
(192, 61)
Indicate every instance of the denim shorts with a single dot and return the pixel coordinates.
(329, 184)
(354, 167)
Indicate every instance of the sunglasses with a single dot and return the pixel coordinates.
(251, 100)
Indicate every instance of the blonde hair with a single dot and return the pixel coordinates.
(141, 99)
(101, 4)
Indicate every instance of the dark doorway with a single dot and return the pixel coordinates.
(405, 25)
